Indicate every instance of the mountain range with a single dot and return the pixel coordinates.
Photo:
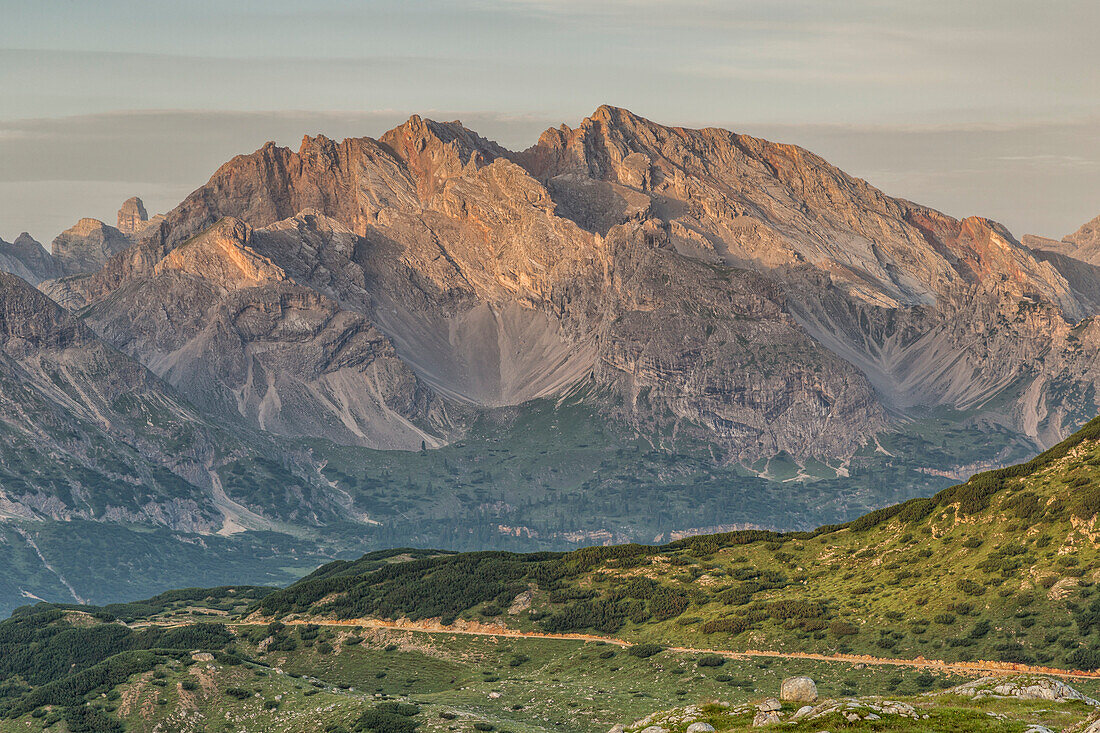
(428, 339)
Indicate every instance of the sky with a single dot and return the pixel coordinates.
(988, 107)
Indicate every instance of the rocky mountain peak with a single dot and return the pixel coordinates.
(132, 217)
(26, 240)
(29, 320)
(222, 256)
(437, 151)
(87, 245)
(1084, 244)
(27, 258)
(1088, 235)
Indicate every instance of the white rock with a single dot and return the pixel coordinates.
(765, 717)
(803, 712)
(798, 689)
(769, 705)
(700, 727)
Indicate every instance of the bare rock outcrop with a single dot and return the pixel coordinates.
(228, 328)
(28, 259)
(699, 281)
(86, 246)
(1083, 244)
(62, 393)
(132, 216)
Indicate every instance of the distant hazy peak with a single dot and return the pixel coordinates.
(132, 217)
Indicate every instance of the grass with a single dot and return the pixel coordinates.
(528, 685)
(1002, 568)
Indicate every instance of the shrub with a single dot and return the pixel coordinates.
(944, 619)
(843, 628)
(728, 625)
(711, 660)
(970, 588)
(980, 629)
(238, 693)
(644, 651)
(1088, 618)
(1085, 659)
(389, 717)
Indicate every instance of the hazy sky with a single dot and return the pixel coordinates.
(985, 107)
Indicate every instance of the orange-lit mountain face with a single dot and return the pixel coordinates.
(743, 290)
(625, 331)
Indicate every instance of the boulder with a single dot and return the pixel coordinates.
(654, 729)
(620, 728)
(769, 705)
(798, 689)
(765, 717)
(700, 727)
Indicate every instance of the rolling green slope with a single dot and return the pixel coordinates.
(1002, 567)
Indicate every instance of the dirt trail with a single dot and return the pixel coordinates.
(474, 628)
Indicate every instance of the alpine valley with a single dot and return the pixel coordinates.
(625, 333)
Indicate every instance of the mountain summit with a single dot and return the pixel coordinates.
(710, 282)
(428, 339)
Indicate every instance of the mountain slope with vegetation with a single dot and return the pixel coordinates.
(1002, 567)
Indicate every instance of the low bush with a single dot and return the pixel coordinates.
(644, 651)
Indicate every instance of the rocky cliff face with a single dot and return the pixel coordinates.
(701, 281)
(1084, 244)
(27, 259)
(132, 217)
(934, 311)
(226, 326)
(89, 433)
(86, 246)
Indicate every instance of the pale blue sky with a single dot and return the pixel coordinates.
(974, 106)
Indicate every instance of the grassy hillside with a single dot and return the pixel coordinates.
(1002, 567)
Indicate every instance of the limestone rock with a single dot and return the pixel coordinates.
(763, 718)
(52, 356)
(802, 712)
(798, 689)
(742, 292)
(240, 339)
(1024, 688)
(770, 705)
(86, 246)
(28, 259)
(132, 217)
(700, 727)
